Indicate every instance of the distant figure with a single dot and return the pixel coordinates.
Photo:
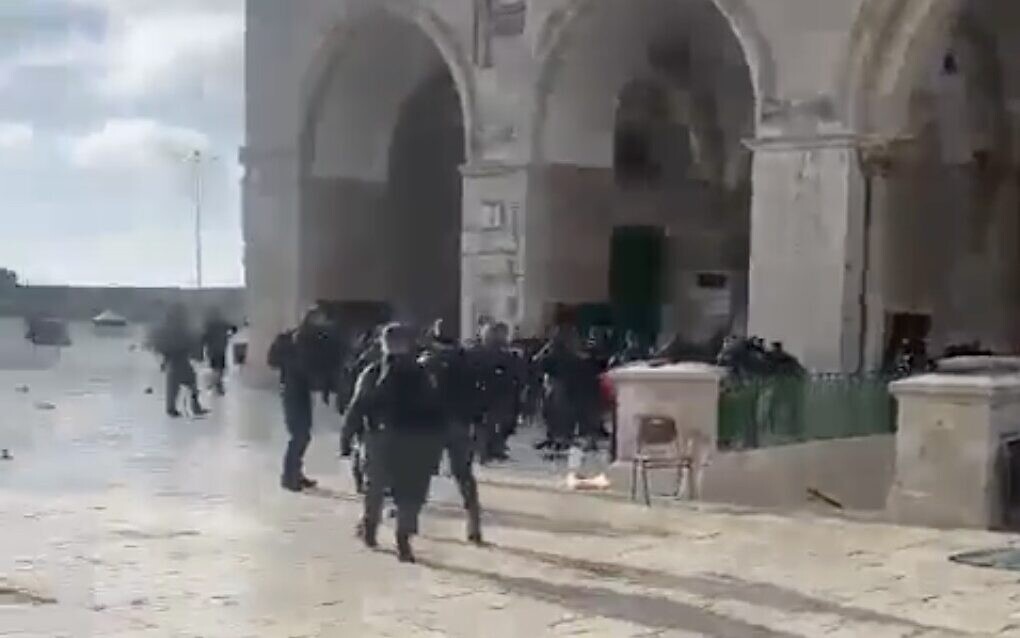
(178, 345)
(396, 409)
(499, 381)
(305, 359)
(631, 352)
(449, 365)
(215, 336)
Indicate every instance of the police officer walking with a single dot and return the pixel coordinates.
(396, 410)
(178, 345)
(305, 358)
(215, 336)
(449, 365)
(500, 379)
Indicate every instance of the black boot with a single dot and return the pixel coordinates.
(404, 553)
(366, 533)
(173, 413)
(306, 482)
(474, 531)
(290, 484)
(196, 407)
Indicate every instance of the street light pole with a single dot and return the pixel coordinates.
(197, 160)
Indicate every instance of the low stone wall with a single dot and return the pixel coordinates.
(855, 472)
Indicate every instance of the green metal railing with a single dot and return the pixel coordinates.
(766, 412)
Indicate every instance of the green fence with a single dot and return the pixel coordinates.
(759, 413)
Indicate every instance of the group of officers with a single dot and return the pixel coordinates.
(179, 345)
(418, 394)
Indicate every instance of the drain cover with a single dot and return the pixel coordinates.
(1007, 558)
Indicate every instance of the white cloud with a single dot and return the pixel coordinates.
(16, 136)
(134, 144)
(155, 47)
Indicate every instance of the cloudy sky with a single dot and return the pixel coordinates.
(100, 101)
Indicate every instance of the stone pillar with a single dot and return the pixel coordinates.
(807, 249)
(493, 259)
(951, 432)
(686, 392)
(272, 235)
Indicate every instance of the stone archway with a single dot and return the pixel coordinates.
(389, 122)
(595, 57)
(935, 85)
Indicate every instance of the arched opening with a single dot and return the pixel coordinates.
(639, 216)
(947, 210)
(381, 212)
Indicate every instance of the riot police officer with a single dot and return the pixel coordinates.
(499, 382)
(396, 410)
(306, 359)
(179, 344)
(449, 365)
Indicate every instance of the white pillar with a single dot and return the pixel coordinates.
(493, 266)
(272, 254)
(807, 249)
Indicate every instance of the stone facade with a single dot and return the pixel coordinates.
(830, 164)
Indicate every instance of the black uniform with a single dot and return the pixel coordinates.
(178, 346)
(215, 337)
(499, 382)
(305, 360)
(396, 411)
(449, 365)
(572, 397)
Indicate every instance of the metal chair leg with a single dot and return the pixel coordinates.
(633, 480)
(644, 481)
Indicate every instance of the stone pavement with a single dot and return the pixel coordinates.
(115, 521)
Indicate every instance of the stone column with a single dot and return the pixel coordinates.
(688, 393)
(808, 249)
(951, 432)
(272, 235)
(494, 247)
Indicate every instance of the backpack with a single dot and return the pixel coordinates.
(279, 350)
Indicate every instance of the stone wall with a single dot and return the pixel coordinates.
(139, 305)
(809, 86)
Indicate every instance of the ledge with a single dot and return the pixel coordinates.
(959, 386)
(492, 168)
(804, 142)
(676, 372)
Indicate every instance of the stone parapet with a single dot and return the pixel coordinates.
(952, 429)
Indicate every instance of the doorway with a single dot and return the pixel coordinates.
(637, 279)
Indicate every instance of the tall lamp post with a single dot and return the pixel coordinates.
(197, 158)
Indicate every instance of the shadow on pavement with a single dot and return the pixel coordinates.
(654, 612)
(500, 518)
(715, 586)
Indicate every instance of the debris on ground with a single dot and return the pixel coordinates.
(16, 595)
(5, 455)
(817, 495)
(575, 482)
(45, 405)
(148, 390)
(21, 389)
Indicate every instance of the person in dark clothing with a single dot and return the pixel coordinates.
(631, 352)
(215, 336)
(449, 365)
(396, 409)
(499, 381)
(573, 394)
(304, 358)
(178, 345)
(367, 352)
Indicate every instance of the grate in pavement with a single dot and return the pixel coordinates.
(1007, 558)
